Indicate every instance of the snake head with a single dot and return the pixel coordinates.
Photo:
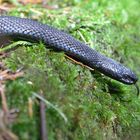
(128, 77)
(117, 71)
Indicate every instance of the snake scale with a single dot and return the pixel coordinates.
(34, 31)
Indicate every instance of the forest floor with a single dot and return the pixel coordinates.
(80, 104)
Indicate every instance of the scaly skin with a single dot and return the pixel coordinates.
(27, 29)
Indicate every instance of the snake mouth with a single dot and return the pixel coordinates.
(129, 79)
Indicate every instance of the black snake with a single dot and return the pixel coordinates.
(30, 30)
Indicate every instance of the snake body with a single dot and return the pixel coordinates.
(30, 30)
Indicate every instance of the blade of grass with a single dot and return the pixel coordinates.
(52, 106)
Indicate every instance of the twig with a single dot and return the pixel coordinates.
(3, 100)
(43, 129)
(6, 116)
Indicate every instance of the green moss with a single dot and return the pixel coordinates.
(96, 106)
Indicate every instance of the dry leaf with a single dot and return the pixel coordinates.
(30, 1)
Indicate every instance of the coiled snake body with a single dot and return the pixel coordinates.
(30, 30)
